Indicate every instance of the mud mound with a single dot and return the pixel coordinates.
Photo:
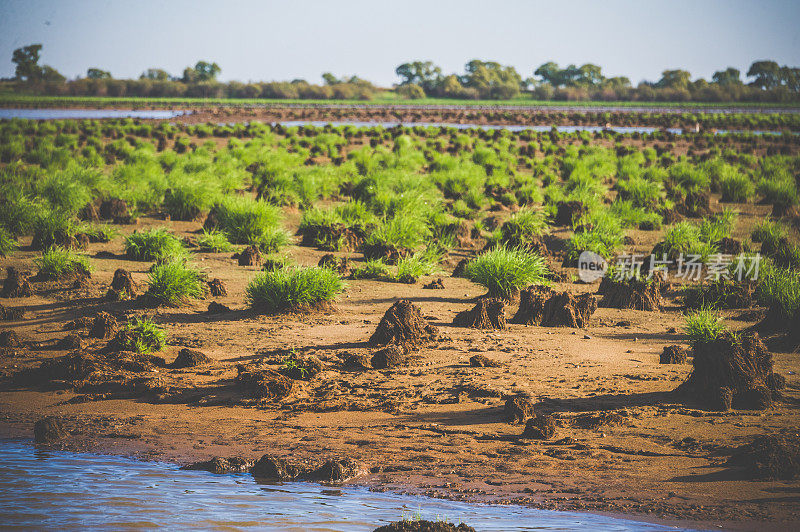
(222, 466)
(9, 339)
(729, 246)
(340, 470)
(403, 325)
(332, 262)
(567, 212)
(273, 468)
(423, 525)
(388, 357)
(541, 427)
(217, 288)
(335, 237)
(71, 341)
(546, 308)
(78, 324)
(190, 358)
(769, 458)
(436, 284)
(458, 271)
(302, 367)
(104, 325)
(693, 204)
(250, 256)
(729, 372)
(49, 430)
(595, 420)
(488, 313)
(517, 409)
(630, 294)
(357, 361)
(263, 383)
(674, 354)
(11, 314)
(482, 361)
(89, 213)
(69, 368)
(16, 283)
(116, 210)
(389, 254)
(122, 286)
(723, 293)
(217, 308)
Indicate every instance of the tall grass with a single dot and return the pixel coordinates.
(154, 245)
(703, 327)
(174, 283)
(504, 271)
(57, 263)
(293, 289)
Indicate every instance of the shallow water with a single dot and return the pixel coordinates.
(564, 129)
(41, 489)
(93, 114)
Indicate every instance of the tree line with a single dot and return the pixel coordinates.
(767, 82)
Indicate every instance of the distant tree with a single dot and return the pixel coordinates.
(330, 79)
(52, 75)
(767, 74)
(586, 76)
(550, 73)
(202, 71)
(617, 82)
(674, 79)
(411, 91)
(422, 73)
(155, 74)
(728, 77)
(790, 77)
(96, 73)
(491, 79)
(27, 61)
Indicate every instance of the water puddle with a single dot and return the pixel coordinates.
(88, 114)
(42, 489)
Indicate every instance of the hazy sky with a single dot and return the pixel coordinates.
(283, 40)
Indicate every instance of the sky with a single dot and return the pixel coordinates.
(284, 40)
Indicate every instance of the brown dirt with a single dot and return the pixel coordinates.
(432, 426)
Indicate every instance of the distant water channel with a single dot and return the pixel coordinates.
(55, 490)
(88, 114)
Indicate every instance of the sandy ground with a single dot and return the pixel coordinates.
(433, 427)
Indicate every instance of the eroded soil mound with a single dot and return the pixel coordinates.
(436, 284)
(482, 361)
(731, 373)
(49, 430)
(540, 427)
(16, 283)
(388, 357)
(517, 409)
(104, 325)
(404, 325)
(222, 466)
(337, 264)
(122, 286)
(630, 294)
(263, 383)
(116, 210)
(567, 212)
(250, 256)
(674, 354)
(488, 313)
(217, 288)
(769, 458)
(542, 306)
(11, 313)
(190, 358)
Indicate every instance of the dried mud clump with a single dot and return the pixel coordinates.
(217, 308)
(424, 525)
(340, 470)
(482, 361)
(674, 354)
(567, 212)
(337, 264)
(190, 358)
(116, 210)
(333, 237)
(729, 246)
(217, 288)
(273, 468)
(70, 368)
(389, 254)
(11, 314)
(388, 357)
(88, 213)
(541, 427)
(458, 271)
(250, 256)
(302, 367)
(436, 284)
(517, 409)
(9, 339)
(104, 325)
(263, 383)
(49, 430)
(357, 361)
(730, 373)
(16, 283)
(488, 313)
(222, 466)
(769, 458)
(79, 323)
(541, 306)
(404, 325)
(630, 294)
(122, 286)
(71, 341)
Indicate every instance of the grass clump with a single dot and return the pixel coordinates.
(8, 244)
(142, 336)
(173, 283)
(58, 263)
(293, 289)
(371, 269)
(156, 244)
(411, 267)
(248, 221)
(779, 289)
(213, 241)
(524, 227)
(735, 187)
(98, 232)
(703, 326)
(503, 271)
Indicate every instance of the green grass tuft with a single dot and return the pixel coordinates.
(57, 263)
(704, 326)
(293, 288)
(173, 283)
(156, 244)
(142, 336)
(504, 271)
(213, 241)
